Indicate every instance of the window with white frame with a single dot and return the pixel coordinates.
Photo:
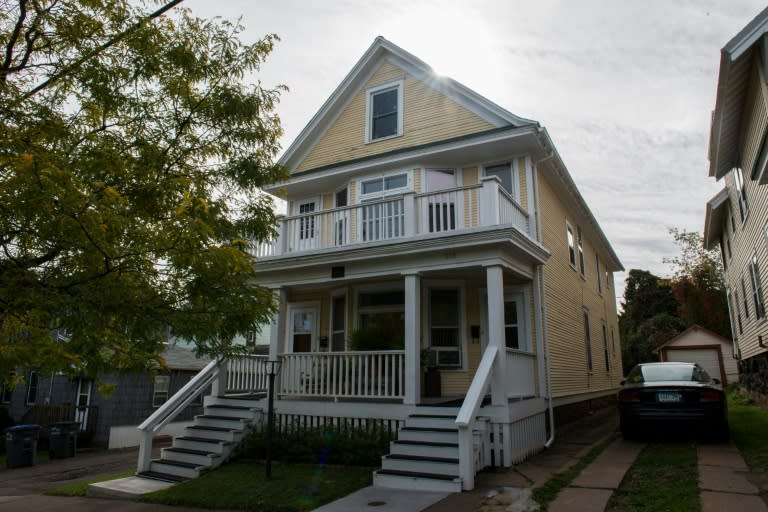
(580, 242)
(383, 220)
(384, 111)
(571, 243)
(338, 322)
(445, 327)
(731, 316)
(587, 340)
(378, 186)
(382, 311)
(745, 298)
(160, 390)
(32, 386)
(507, 173)
(757, 288)
(741, 193)
(737, 310)
(599, 275)
(605, 348)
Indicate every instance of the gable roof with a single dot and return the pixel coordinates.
(732, 86)
(378, 51)
(717, 210)
(690, 330)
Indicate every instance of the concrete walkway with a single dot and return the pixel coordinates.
(724, 481)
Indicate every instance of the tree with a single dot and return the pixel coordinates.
(132, 156)
(648, 317)
(698, 284)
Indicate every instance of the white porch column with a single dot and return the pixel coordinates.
(495, 281)
(277, 331)
(412, 339)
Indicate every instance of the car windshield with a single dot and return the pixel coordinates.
(667, 372)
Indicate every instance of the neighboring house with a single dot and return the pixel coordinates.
(108, 420)
(737, 217)
(711, 351)
(428, 226)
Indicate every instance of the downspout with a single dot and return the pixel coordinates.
(540, 284)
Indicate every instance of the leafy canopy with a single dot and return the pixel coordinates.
(133, 149)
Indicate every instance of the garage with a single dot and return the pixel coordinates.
(711, 351)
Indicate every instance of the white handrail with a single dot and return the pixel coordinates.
(467, 416)
(171, 408)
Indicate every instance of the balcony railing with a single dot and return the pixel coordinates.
(397, 217)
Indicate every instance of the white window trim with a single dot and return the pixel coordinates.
(588, 352)
(758, 293)
(395, 84)
(741, 195)
(368, 288)
(569, 247)
(316, 199)
(342, 292)
(521, 294)
(156, 393)
(513, 165)
(426, 324)
(384, 193)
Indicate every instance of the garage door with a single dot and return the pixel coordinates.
(705, 357)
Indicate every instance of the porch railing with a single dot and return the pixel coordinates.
(395, 217)
(247, 374)
(521, 373)
(379, 374)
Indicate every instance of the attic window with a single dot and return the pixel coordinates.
(384, 112)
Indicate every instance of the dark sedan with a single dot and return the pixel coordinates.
(672, 395)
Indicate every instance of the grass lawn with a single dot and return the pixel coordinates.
(663, 478)
(749, 430)
(78, 489)
(241, 485)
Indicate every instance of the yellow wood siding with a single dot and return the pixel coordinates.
(428, 116)
(567, 293)
(523, 183)
(749, 237)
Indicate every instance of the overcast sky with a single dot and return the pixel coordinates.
(624, 88)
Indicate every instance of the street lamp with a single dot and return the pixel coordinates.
(273, 368)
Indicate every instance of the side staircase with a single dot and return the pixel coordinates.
(425, 455)
(209, 441)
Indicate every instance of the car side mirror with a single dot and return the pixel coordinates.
(716, 381)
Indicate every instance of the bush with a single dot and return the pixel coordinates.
(349, 446)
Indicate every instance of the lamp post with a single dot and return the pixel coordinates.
(273, 368)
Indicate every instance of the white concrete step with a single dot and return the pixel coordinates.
(221, 434)
(202, 444)
(237, 402)
(182, 469)
(428, 435)
(232, 411)
(431, 421)
(205, 420)
(429, 465)
(424, 449)
(199, 457)
(415, 481)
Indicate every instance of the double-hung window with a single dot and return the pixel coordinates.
(587, 340)
(444, 326)
(571, 244)
(580, 241)
(757, 288)
(745, 298)
(32, 386)
(382, 220)
(599, 276)
(384, 111)
(741, 193)
(162, 385)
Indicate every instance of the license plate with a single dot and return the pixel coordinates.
(668, 396)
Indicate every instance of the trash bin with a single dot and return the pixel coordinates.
(21, 445)
(62, 439)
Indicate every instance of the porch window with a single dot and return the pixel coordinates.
(339, 323)
(160, 392)
(757, 288)
(341, 218)
(512, 325)
(508, 176)
(381, 320)
(383, 219)
(306, 224)
(32, 385)
(441, 208)
(444, 319)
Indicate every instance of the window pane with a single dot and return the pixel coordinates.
(444, 306)
(372, 186)
(504, 172)
(384, 114)
(440, 179)
(341, 197)
(385, 103)
(390, 298)
(445, 337)
(397, 181)
(510, 312)
(511, 337)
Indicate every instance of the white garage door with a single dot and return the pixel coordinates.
(707, 359)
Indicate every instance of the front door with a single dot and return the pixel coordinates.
(83, 402)
(302, 336)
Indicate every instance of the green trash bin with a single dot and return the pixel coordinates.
(21, 445)
(62, 439)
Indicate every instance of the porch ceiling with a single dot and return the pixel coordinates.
(443, 255)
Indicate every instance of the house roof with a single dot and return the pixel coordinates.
(506, 126)
(732, 86)
(687, 332)
(717, 209)
(356, 78)
(181, 358)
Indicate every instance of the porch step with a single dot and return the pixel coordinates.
(176, 468)
(431, 421)
(201, 457)
(162, 477)
(419, 464)
(414, 480)
(232, 411)
(216, 433)
(201, 443)
(424, 449)
(440, 435)
(234, 401)
(212, 420)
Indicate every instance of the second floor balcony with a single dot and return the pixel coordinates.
(398, 217)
